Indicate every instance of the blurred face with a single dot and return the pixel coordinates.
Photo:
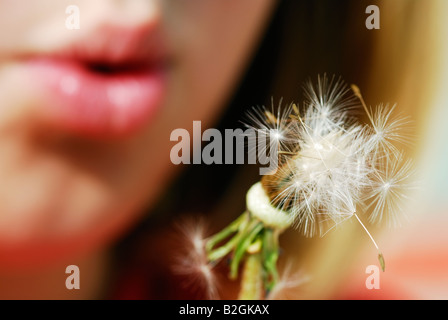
(87, 110)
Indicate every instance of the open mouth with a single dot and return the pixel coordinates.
(109, 84)
(109, 69)
(100, 99)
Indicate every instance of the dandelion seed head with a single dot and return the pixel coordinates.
(334, 164)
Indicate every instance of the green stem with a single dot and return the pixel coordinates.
(224, 250)
(252, 279)
(241, 248)
(249, 239)
(227, 231)
(270, 252)
(239, 226)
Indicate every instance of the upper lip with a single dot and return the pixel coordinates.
(113, 47)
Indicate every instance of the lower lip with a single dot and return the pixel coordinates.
(94, 103)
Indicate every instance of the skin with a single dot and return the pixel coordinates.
(64, 195)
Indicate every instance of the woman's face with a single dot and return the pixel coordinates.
(87, 110)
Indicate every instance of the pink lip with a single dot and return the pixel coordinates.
(104, 103)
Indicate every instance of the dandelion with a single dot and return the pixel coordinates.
(331, 168)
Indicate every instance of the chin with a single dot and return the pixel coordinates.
(35, 247)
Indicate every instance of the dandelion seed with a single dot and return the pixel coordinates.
(329, 96)
(289, 281)
(192, 261)
(387, 192)
(270, 126)
(387, 132)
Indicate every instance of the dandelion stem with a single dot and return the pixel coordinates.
(245, 242)
(252, 280)
(380, 255)
(367, 231)
(270, 252)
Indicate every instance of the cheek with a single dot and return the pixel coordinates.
(48, 215)
(212, 42)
